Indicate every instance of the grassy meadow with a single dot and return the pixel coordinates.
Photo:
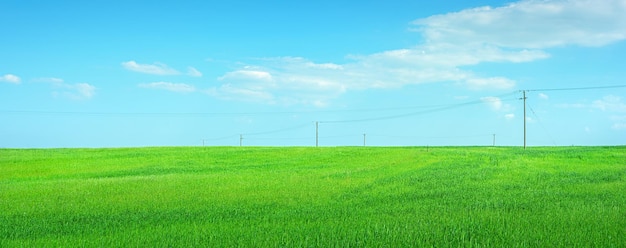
(314, 197)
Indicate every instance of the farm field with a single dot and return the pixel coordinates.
(314, 197)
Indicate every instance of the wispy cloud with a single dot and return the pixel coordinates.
(495, 103)
(53, 80)
(531, 24)
(496, 83)
(453, 43)
(610, 103)
(156, 68)
(247, 75)
(78, 91)
(619, 122)
(159, 69)
(230, 92)
(84, 90)
(193, 72)
(175, 87)
(61, 89)
(285, 80)
(614, 106)
(10, 78)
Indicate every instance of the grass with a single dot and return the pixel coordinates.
(312, 197)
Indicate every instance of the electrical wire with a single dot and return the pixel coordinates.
(279, 130)
(541, 124)
(445, 107)
(433, 137)
(580, 88)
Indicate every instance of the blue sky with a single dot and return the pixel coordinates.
(397, 73)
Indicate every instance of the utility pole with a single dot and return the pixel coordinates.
(524, 98)
(241, 140)
(317, 133)
(364, 139)
(202, 142)
(494, 139)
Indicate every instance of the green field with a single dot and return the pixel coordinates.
(314, 197)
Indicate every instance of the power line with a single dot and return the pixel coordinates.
(143, 113)
(581, 88)
(279, 130)
(104, 113)
(541, 124)
(559, 89)
(282, 138)
(444, 107)
(433, 137)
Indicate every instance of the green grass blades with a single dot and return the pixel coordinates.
(314, 197)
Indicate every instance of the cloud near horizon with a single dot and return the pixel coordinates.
(78, 91)
(193, 72)
(52, 80)
(155, 69)
(174, 87)
(614, 106)
(158, 69)
(610, 103)
(10, 78)
(61, 89)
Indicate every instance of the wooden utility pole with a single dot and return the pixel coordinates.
(364, 139)
(241, 140)
(494, 139)
(317, 133)
(524, 98)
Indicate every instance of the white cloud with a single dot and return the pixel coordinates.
(531, 24)
(514, 33)
(156, 68)
(310, 81)
(610, 103)
(84, 90)
(619, 122)
(48, 80)
(452, 55)
(248, 75)
(79, 91)
(326, 66)
(619, 126)
(10, 78)
(572, 105)
(286, 80)
(193, 72)
(496, 83)
(230, 92)
(175, 87)
(509, 116)
(543, 96)
(495, 103)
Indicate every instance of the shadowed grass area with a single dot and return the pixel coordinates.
(297, 196)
